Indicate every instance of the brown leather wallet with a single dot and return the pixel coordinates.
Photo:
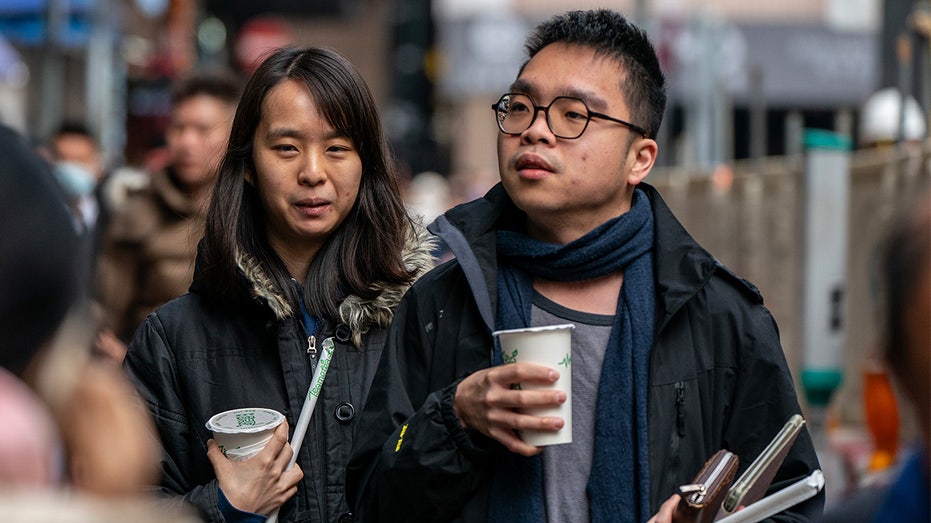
(701, 499)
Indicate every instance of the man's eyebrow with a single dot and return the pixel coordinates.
(520, 86)
(593, 100)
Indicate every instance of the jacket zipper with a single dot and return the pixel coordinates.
(680, 409)
(312, 350)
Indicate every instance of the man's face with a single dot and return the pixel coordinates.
(78, 149)
(568, 187)
(197, 136)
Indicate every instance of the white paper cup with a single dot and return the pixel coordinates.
(243, 433)
(549, 346)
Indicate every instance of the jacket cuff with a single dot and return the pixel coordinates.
(469, 441)
(232, 514)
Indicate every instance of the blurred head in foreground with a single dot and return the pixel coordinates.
(107, 438)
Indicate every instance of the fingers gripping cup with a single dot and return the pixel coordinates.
(549, 346)
(243, 433)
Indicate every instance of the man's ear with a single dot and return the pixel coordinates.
(641, 156)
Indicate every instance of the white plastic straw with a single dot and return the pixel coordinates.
(303, 421)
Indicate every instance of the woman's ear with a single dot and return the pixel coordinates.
(248, 174)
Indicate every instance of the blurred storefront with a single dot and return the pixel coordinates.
(111, 63)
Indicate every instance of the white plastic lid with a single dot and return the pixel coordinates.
(542, 328)
(244, 421)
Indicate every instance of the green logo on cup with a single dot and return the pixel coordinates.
(245, 418)
(565, 361)
(510, 359)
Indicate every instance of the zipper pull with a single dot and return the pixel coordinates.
(694, 492)
(312, 346)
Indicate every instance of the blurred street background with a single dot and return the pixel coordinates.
(784, 149)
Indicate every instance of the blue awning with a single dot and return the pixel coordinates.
(13, 7)
(25, 22)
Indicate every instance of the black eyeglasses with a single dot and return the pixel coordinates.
(566, 116)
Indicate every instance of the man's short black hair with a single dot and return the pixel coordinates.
(612, 35)
(74, 127)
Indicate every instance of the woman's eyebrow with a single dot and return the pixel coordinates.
(283, 132)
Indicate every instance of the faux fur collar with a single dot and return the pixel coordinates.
(357, 313)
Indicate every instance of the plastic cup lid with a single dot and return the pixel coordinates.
(542, 328)
(244, 421)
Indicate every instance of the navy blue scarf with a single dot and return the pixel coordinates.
(618, 487)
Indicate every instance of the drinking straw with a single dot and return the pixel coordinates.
(303, 421)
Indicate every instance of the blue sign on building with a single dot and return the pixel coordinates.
(25, 22)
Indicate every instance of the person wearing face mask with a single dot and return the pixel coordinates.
(78, 167)
(147, 253)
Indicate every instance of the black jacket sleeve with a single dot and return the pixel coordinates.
(412, 460)
(765, 399)
(150, 364)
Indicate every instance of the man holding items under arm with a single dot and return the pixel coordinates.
(673, 356)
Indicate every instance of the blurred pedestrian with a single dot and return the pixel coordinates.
(147, 256)
(73, 425)
(427, 197)
(906, 276)
(79, 168)
(306, 239)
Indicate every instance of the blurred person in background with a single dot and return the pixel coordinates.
(429, 195)
(79, 168)
(306, 239)
(38, 285)
(905, 258)
(71, 424)
(148, 250)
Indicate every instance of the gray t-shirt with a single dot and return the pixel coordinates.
(566, 467)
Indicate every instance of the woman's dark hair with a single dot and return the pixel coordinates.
(366, 249)
(611, 35)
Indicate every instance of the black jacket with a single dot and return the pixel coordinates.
(718, 377)
(191, 359)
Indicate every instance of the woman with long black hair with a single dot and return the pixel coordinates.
(306, 239)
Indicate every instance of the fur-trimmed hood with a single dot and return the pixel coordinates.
(357, 313)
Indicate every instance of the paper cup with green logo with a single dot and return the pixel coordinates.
(243, 433)
(549, 346)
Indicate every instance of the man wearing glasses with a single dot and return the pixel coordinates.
(673, 356)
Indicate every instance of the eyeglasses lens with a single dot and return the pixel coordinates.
(567, 117)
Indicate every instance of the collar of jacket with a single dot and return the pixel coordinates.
(682, 266)
(357, 313)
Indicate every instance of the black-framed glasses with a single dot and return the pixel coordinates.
(566, 116)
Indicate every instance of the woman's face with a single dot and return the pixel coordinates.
(307, 175)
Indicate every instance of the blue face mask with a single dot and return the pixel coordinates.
(74, 179)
